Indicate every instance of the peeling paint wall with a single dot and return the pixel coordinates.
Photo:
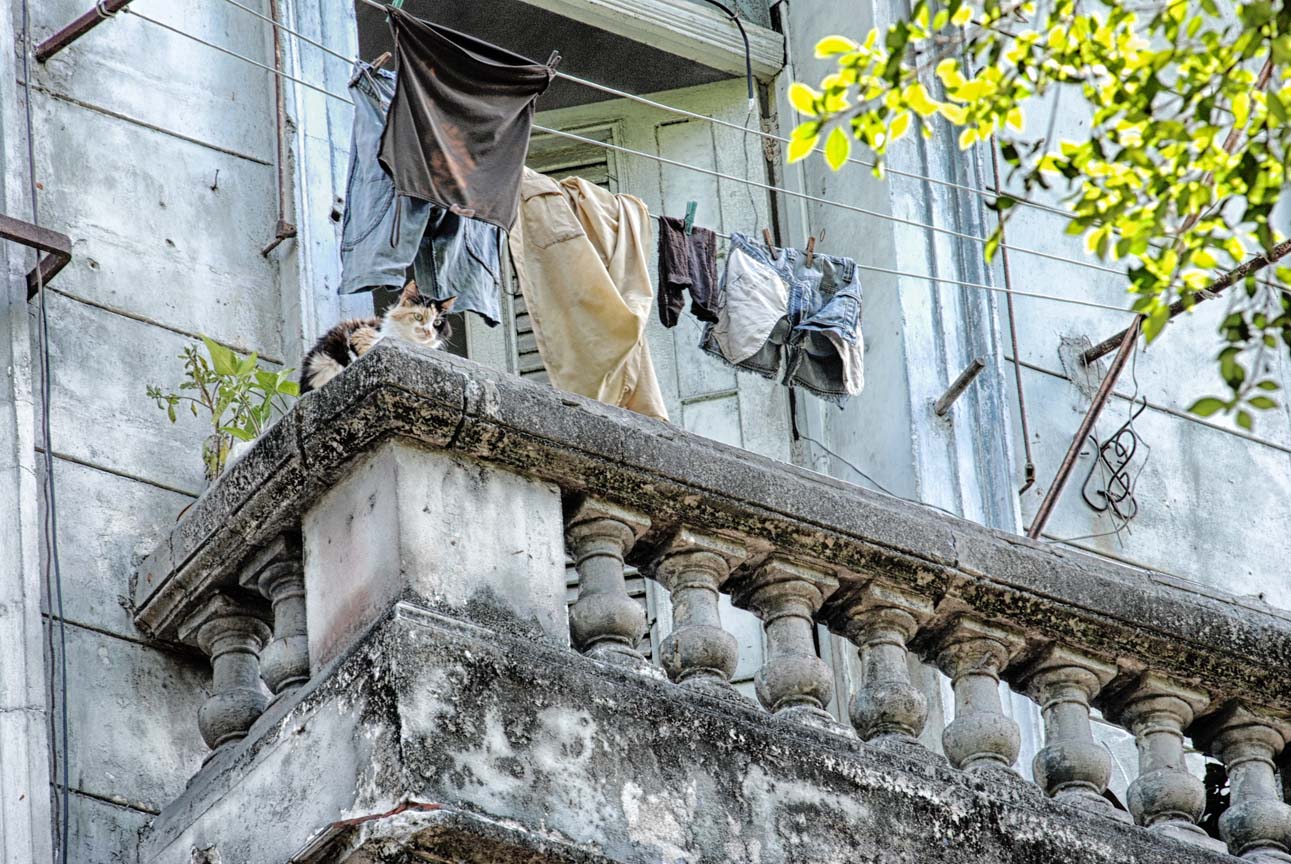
(156, 155)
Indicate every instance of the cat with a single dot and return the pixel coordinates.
(415, 318)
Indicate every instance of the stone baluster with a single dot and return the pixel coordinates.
(699, 653)
(604, 622)
(231, 633)
(981, 737)
(887, 708)
(1071, 767)
(794, 683)
(1257, 824)
(278, 573)
(1165, 797)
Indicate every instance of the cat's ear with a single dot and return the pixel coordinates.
(410, 295)
(446, 306)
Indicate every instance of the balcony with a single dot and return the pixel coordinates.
(380, 586)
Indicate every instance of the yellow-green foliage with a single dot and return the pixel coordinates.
(1153, 186)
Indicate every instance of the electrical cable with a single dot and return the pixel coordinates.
(52, 566)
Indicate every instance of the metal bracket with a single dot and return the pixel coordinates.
(57, 249)
(102, 11)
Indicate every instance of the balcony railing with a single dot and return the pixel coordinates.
(388, 561)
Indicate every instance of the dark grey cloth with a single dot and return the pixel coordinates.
(686, 263)
(458, 128)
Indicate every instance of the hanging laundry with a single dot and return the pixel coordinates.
(459, 124)
(826, 352)
(383, 233)
(773, 306)
(687, 262)
(579, 253)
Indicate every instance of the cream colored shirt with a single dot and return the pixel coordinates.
(580, 256)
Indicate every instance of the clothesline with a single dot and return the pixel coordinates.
(696, 168)
(756, 132)
(682, 112)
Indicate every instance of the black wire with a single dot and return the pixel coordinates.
(748, 52)
(51, 507)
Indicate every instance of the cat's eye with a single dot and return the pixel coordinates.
(439, 325)
(421, 319)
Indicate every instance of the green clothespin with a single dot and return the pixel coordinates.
(691, 206)
(398, 4)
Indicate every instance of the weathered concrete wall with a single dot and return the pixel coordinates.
(24, 751)
(1213, 501)
(156, 155)
(425, 710)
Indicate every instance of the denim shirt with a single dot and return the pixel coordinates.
(383, 234)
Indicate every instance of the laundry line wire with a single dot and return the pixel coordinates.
(769, 136)
(710, 172)
(925, 277)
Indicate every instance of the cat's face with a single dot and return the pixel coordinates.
(419, 319)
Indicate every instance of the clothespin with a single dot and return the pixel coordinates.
(767, 238)
(554, 60)
(811, 250)
(691, 206)
(381, 60)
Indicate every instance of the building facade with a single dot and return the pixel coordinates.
(170, 166)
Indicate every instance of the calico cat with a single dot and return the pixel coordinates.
(420, 320)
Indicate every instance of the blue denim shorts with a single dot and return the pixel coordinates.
(819, 335)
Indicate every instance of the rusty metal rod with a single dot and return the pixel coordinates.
(102, 11)
(57, 249)
(1086, 426)
(284, 229)
(958, 386)
(1178, 307)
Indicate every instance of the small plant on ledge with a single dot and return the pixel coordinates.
(241, 398)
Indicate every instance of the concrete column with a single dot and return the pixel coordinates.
(25, 819)
(232, 635)
(887, 708)
(794, 683)
(981, 736)
(1165, 796)
(699, 653)
(459, 537)
(1072, 767)
(1257, 823)
(605, 622)
(278, 573)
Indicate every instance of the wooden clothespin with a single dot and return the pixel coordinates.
(811, 250)
(691, 207)
(381, 60)
(767, 238)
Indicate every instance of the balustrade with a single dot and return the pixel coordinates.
(796, 551)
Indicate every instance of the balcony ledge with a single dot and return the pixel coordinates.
(1233, 648)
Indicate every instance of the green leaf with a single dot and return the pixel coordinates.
(803, 98)
(832, 45)
(1269, 385)
(1207, 406)
(1263, 403)
(289, 388)
(1245, 420)
(801, 148)
(837, 148)
(224, 360)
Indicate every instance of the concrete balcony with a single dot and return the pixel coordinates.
(379, 583)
